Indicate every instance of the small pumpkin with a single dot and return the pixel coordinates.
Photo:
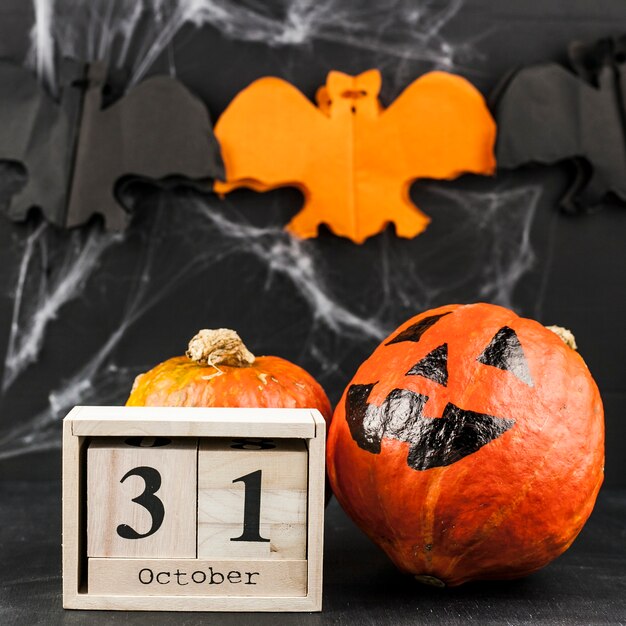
(469, 445)
(218, 370)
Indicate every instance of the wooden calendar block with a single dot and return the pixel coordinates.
(133, 509)
(141, 497)
(196, 577)
(252, 498)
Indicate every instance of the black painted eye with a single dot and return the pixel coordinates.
(433, 366)
(414, 333)
(505, 352)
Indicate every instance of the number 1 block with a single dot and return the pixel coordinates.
(252, 498)
(141, 497)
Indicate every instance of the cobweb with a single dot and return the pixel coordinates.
(133, 34)
(401, 280)
(477, 248)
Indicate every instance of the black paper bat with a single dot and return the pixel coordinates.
(547, 113)
(79, 154)
(39, 134)
(435, 442)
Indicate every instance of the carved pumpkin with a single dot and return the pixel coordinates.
(219, 370)
(470, 445)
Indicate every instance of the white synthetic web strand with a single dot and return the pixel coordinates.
(401, 278)
(134, 33)
(211, 230)
(41, 291)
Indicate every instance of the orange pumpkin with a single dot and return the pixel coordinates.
(220, 371)
(470, 445)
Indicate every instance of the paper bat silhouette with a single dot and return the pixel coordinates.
(547, 113)
(434, 442)
(354, 160)
(79, 154)
(39, 134)
(158, 131)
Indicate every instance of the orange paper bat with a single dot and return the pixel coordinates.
(353, 160)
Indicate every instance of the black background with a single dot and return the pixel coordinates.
(190, 261)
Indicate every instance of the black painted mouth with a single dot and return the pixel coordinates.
(435, 442)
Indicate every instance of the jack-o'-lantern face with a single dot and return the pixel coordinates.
(469, 445)
(440, 437)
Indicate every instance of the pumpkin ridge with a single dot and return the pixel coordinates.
(505, 514)
(379, 482)
(429, 519)
(526, 487)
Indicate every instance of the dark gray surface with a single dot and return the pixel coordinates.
(587, 585)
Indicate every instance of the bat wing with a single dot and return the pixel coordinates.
(547, 114)
(538, 117)
(269, 134)
(37, 134)
(159, 131)
(439, 127)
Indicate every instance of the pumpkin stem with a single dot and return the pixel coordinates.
(566, 335)
(220, 346)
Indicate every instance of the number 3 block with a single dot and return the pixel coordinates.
(252, 498)
(141, 497)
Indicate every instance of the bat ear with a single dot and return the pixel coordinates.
(337, 83)
(589, 59)
(322, 97)
(500, 89)
(370, 82)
